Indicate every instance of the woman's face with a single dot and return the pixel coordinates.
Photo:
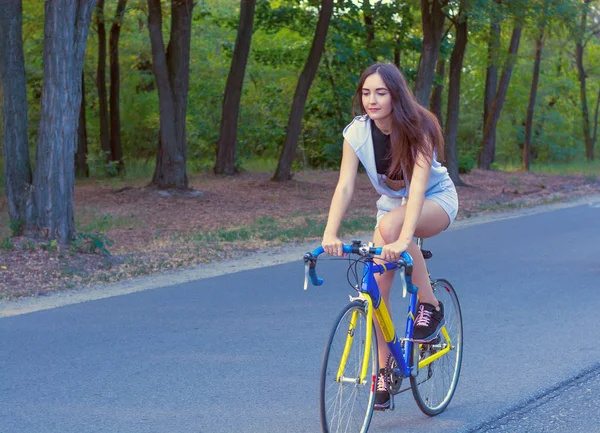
(376, 98)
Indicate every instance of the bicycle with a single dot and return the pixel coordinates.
(350, 361)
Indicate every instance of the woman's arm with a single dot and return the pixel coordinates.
(414, 206)
(340, 201)
(416, 198)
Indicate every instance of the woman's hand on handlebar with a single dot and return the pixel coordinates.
(332, 245)
(391, 252)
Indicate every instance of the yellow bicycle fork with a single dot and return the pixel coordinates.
(387, 329)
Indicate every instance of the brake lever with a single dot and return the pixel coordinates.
(403, 279)
(306, 276)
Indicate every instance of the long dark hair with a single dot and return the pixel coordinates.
(415, 130)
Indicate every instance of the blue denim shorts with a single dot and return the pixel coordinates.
(444, 194)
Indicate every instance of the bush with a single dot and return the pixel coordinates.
(466, 163)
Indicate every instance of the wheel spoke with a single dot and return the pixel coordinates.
(347, 405)
(435, 384)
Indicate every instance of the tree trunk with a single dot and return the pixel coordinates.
(433, 28)
(226, 150)
(101, 81)
(581, 74)
(452, 113)
(294, 126)
(539, 43)
(397, 48)
(171, 70)
(436, 96)
(489, 132)
(50, 208)
(116, 149)
(491, 77)
(13, 89)
(369, 27)
(596, 120)
(81, 165)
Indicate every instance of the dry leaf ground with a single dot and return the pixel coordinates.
(156, 230)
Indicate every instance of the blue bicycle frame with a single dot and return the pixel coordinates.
(370, 291)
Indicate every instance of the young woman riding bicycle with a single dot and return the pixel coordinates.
(398, 142)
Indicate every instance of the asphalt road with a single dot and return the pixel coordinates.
(241, 352)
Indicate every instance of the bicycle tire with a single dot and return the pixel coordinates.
(434, 385)
(345, 405)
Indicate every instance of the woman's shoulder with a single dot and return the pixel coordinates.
(358, 131)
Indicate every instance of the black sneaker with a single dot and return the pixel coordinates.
(428, 322)
(382, 396)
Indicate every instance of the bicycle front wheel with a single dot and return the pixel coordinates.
(439, 362)
(346, 400)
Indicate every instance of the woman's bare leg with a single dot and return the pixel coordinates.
(432, 221)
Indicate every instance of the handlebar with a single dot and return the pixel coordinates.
(310, 260)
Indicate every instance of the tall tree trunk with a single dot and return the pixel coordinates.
(539, 44)
(171, 70)
(101, 81)
(435, 101)
(369, 27)
(294, 126)
(81, 165)
(50, 208)
(226, 150)
(452, 113)
(489, 132)
(397, 47)
(13, 89)
(432, 16)
(596, 119)
(491, 76)
(581, 74)
(116, 149)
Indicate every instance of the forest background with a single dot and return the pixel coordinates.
(264, 89)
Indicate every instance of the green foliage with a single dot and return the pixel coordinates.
(7, 244)
(92, 243)
(282, 36)
(100, 166)
(51, 246)
(466, 163)
(16, 226)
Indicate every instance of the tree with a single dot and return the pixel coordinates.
(116, 149)
(226, 149)
(13, 89)
(539, 43)
(435, 101)
(491, 76)
(452, 113)
(432, 17)
(369, 27)
(50, 212)
(171, 71)
(581, 41)
(81, 165)
(487, 152)
(294, 126)
(101, 81)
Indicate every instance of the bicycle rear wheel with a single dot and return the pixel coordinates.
(435, 383)
(346, 403)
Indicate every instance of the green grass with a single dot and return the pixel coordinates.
(583, 167)
(271, 229)
(101, 223)
(138, 169)
(260, 165)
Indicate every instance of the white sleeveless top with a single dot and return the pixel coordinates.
(358, 135)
